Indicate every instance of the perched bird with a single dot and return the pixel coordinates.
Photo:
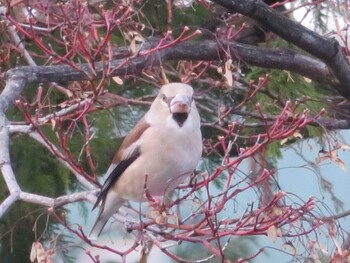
(158, 154)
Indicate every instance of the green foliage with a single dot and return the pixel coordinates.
(105, 141)
(239, 247)
(36, 172)
(235, 248)
(314, 131)
(273, 151)
(321, 17)
(283, 86)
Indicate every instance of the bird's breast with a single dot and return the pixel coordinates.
(168, 157)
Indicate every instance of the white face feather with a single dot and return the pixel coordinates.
(173, 103)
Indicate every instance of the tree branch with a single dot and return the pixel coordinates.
(327, 50)
(201, 51)
(47, 201)
(283, 59)
(8, 202)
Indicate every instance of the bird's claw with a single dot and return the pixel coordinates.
(162, 216)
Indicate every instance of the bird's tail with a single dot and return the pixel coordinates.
(111, 205)
(97, 228)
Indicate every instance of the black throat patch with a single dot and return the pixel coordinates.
(180, 117)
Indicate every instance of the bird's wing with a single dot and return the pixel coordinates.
(128, 152)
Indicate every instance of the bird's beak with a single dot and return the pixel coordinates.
(180, 104)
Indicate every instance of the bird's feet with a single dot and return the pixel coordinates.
(160, 212)
(162, 217)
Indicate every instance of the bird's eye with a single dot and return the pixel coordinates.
(163, 97)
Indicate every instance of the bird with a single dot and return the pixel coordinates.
(158, 154)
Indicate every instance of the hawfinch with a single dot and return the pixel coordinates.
(158, 154)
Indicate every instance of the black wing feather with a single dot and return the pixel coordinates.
(115, 174)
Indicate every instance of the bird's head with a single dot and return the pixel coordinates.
(175, 99)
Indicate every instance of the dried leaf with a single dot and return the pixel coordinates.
(164, 79)
(161, 219)
(53, 124)
(284, 141)
(292, 248)
(273, 233)
(153, 214)
(33, 252)
(148, 74)
(331, 156)
(228, 72)
(143, 258)
(277, 211)
(133, 37)
(337, 26)
(341, 164)
(118, 80)
(307, 80)
(295, 135)
(344, 146)
(133, 46)
(38, 253)
(320, 159)
(69, 94)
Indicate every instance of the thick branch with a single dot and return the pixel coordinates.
(14, 86)
(12, 90)
(328, 50)
(202, 51)
(5, 162)
(46, 201)
(59, 201)
(8, 202)
(283, 59)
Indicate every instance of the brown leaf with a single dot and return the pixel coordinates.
(143, 258)
(320, 159)
(38, 252)
(118, 80)
(291, 246)
(33, 252)
(273, 233)
(295, 135)
(307, 80)
(53, 124)
(331, 156)
(343, 147)
(228, 72)
(340, 163)
(277, 211)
